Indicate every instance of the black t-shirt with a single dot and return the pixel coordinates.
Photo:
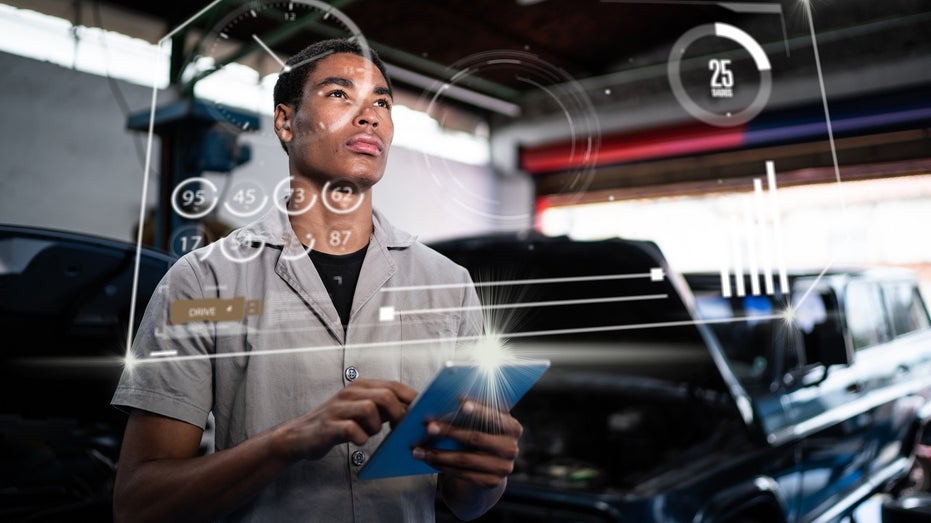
(339, 273)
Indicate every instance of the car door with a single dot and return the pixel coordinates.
(901, 372)
(823, 401)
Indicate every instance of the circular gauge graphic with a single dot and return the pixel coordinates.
(251, 33)
(303, 249)
(245, 199)
(240, 249)
(716, 92)
(341, 197)
(544, 80)
(189, 238)
(293, 201)
(194, 198)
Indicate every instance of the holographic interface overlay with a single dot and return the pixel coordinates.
(719, 73)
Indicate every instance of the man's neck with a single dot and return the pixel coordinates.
(340, 225)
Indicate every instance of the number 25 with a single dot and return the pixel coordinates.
(722, 75)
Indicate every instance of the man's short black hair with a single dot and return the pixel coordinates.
(290, 85)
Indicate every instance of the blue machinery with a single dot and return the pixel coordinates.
(195, 138)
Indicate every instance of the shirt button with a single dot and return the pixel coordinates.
(358, 458)
(351, 373)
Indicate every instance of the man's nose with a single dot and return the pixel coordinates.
(367, 116)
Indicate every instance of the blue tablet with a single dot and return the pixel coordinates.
(502, 385)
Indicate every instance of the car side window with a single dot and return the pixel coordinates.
(905, 307)
(815, 317)
(866, 318)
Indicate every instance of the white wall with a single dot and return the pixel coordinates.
(67, 160)
(437, 198)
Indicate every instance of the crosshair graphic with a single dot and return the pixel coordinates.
(260, 26)
(557, 85)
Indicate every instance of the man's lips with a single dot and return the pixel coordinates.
(366, 144)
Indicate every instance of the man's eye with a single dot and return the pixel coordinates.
(337, 94)
(383, 103)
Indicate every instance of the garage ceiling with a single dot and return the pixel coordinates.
(585, 38)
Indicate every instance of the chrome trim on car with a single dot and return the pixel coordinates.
(895, 468)
(846, 411)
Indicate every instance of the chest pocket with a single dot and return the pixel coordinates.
(428, 342)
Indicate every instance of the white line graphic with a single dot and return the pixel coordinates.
(554, 332)
(536, 281)
(389, 313)
(751, 242)
(738, 259)
(762, 234)
(777, 227)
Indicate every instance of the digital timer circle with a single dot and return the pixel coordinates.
(189, 238)
(297, 195)
(720, 30)
(195, 202)
(303, 247)
(339, 192)
(233, 247)
(245, 199)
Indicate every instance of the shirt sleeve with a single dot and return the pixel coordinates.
(169, 368)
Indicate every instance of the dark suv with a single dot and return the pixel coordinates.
(65, 313)
(668, 402)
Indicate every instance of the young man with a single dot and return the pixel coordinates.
(304, 390)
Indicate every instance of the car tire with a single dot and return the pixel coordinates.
(914, 508)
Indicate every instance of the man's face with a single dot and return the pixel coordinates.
(343, 128)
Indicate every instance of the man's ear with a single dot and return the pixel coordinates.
(284, 116)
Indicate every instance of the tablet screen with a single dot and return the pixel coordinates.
(502, 385)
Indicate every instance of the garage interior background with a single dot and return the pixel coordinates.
(515, 115)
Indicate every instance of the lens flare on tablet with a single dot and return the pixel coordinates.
(491, 351)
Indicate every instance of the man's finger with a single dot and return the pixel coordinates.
(363, 411)
(402, 391)
(462, 463)
(477, 416)
(391, 407)
(501, 445)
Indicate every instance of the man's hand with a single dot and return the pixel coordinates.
(488, 438)
(354, 414)
(473, 478)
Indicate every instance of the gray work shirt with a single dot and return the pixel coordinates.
(286, 353)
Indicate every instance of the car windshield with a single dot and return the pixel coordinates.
(745, 328)
(758, 334)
